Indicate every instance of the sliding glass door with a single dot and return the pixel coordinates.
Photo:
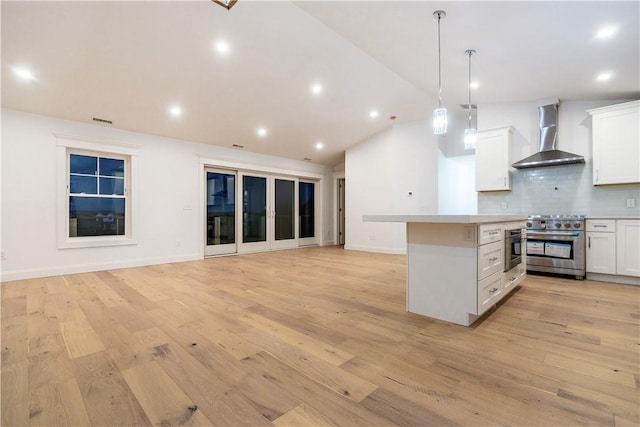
(252, 212)
(221, 212)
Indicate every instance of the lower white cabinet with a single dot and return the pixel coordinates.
(613, 248)
(628, 247)
(601, 246)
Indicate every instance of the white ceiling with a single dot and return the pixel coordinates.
(128, 62)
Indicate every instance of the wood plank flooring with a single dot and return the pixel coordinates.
(310, 337)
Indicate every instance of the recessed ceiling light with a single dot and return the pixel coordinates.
(319, 146)
(316, 88)
(175, 111)
(474, 85)
(603, 77)
(373, 114)
(606, 32)
(222, 47)
(261, 132)
(23, 73)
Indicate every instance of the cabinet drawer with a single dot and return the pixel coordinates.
(489, 291)
(490, 233)
(602, 225)
(490, 259)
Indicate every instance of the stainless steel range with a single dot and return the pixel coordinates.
(556, 244)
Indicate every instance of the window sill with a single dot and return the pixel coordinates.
(95, 242)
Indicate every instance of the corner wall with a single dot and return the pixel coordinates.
(380, 172)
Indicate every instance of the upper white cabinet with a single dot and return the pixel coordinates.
(493, 159)
(616, 143)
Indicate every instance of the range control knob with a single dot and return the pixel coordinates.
(543, 226)
(529, 225)
(558, 225)
(567, 225)
(576, 225)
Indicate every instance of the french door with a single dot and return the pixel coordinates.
(252, 212)
(268, 218)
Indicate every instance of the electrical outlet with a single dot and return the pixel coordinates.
(469, 234)
(503, 205)
(372, 237)
(2, 257)
(631, 203)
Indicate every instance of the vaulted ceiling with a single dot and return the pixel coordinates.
(131, 62)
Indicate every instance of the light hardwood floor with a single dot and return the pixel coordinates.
(315, 336)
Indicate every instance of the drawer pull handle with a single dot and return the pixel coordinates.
(493, 259)
(493, 290)
(600, 225)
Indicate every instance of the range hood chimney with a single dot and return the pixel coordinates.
(548, 155)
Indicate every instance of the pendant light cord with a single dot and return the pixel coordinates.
(470, 53)
(439, 66)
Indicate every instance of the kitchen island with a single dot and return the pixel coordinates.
(456, 264)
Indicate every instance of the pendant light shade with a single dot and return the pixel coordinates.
(470, 132)
(440, 113)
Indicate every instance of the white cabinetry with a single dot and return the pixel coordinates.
(601, 246)
(493, 159)
(628, 247)
(616, 147)
(456, 270)
(613, 250)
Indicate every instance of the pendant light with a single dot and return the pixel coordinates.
(440, 113)
(470, 132)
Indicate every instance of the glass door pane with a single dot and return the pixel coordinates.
(284, 209)
(307, 209)
(254, 209)
(283, 203)
(221, 213)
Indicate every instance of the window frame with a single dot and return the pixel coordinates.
(67, 145)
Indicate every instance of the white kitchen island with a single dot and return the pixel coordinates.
(455, 263)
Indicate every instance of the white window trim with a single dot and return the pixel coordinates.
(66, 143)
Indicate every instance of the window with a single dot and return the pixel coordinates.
(97, 196)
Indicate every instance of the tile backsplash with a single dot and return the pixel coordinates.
(565, 189)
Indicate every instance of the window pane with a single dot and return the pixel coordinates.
(111, 167)
(83, 164)
(83, 184)
(96, 216)
(285, 224)
(112, 186)
(221, 209)
(307, 209)
(254, 209)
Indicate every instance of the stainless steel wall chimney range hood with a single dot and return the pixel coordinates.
(548, 155)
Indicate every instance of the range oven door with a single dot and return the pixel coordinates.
(556, 251)
(512, 248)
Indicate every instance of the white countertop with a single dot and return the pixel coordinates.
(450, 219)
(611, 217)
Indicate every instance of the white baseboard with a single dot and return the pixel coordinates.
(8, 276)
(625, 280)
(377, 249)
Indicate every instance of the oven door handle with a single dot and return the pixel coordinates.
(547, 234)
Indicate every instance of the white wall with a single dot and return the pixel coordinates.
(168, 197)
(456, 185)
(379, 174)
